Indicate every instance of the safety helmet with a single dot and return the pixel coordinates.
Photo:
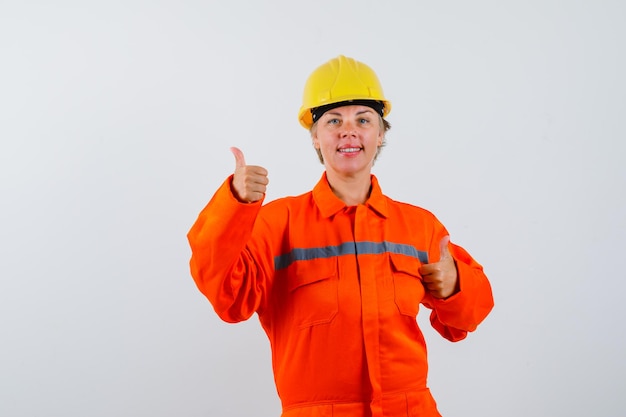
(338, 80)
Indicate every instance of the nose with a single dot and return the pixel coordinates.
(348, 129)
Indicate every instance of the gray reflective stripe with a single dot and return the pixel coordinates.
(306, 254)
(348, 248)
(407, 250)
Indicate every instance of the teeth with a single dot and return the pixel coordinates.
(349, 150)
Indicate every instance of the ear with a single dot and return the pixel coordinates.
(316, 142)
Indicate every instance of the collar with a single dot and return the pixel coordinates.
(329, 204)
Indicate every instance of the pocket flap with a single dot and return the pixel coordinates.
(310, 271)
(405, 264)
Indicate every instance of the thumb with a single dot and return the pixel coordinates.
(240, 161)
(444, 252)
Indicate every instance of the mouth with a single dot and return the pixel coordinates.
(349, 150)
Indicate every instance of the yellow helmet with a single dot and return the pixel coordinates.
(338, 80)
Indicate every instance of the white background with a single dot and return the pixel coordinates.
(116, 120)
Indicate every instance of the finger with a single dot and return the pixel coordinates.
(259, 173)
(428, 279)
(444, 252)
(426, 271)
(240, 161)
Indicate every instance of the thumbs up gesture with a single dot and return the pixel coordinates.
(440, 279)
(249, 181)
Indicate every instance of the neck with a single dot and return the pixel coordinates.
(351, 190)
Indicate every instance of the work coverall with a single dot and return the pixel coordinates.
(337, 291)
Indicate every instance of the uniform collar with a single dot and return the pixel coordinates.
(329, 204)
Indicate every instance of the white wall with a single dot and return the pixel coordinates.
(115, 123)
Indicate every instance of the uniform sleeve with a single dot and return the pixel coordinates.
(225, 270)
(462, 312)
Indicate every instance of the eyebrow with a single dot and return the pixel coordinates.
(368, 110)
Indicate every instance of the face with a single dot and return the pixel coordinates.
(348, 138)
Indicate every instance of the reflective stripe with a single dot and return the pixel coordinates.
(348, 248)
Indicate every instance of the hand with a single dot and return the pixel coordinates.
(249, 181)
(440, 279)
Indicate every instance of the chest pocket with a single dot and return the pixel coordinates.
(313, 292)
(407, 283)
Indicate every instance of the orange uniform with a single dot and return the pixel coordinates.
(337, 291)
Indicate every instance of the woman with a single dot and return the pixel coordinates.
(337, 275)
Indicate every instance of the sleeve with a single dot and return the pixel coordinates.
(462, 312)
(233, 278)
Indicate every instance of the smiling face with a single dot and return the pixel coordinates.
(348, 138)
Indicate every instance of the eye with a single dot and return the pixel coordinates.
(333, 121)
(363, 120)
